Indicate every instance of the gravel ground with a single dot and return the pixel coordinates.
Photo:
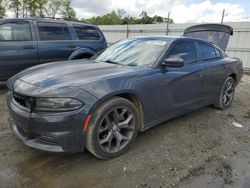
(205, 148)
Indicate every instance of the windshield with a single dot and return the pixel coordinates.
(134, 52)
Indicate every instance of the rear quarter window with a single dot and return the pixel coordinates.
(86, 32)
(207, 52)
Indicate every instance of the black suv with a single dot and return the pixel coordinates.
(31, 41)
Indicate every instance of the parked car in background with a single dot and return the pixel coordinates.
(32, 41)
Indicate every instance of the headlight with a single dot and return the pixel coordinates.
(57, 104)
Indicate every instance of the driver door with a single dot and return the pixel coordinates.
(180, 88)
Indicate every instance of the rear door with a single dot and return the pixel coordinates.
(55, 42)
(213, 70)
(18, 47)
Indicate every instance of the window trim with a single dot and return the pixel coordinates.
(14, 22)
(46, 22)
(220, 57)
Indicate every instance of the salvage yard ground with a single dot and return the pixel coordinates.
(205, 148)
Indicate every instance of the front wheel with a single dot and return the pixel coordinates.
(227, 94)
(113, 128)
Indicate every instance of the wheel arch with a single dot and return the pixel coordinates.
(234, 76)
(82, 53)
(129, 95)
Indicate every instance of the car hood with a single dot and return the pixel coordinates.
(72, 73)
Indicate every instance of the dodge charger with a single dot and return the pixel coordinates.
(102, 103)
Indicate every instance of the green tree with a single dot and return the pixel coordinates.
(121, 13)
(67, 11)
(41, 7)
(120, 17)
(15, 5)
(131, 20)
(24, 8)
(158, 19)
(111, 18)
(2, 9)
(28, 8)
(53, 7)
(145, 19)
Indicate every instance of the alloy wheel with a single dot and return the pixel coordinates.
(228, 92)
(116, 129)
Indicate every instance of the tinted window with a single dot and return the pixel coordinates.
(53, 31)
(207, 52)
(86, 32)
(185, 51)
(18, 31)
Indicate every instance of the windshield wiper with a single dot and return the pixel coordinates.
(110, 61)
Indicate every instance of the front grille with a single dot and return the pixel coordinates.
(24, 101)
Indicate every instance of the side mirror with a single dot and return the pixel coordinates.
(173, 62)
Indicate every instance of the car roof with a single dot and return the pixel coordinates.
(41, 19)
(171, 38)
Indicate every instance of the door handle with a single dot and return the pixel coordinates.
(29, 47)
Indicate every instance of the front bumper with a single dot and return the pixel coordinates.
(58, 132)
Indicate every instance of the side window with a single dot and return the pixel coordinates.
(86, 32)
(53, 31)
(15, 31)
(207, 52)
(185, 51)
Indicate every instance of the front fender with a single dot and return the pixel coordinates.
(79, 53)
(107, 96)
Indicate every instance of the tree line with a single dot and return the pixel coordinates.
(120, 17)
(64, 9)
(41, 8)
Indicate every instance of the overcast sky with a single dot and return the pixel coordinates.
(182, 11)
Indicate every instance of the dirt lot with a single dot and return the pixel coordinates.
(205, 148)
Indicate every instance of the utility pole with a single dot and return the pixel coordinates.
(168, 23)
(127, 31)
(223, 14)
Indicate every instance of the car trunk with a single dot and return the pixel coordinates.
(218, 34)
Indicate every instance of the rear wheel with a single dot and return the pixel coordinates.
(227, 94)
(113, 128)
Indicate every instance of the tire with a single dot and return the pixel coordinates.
(113, 128)
(226, 94)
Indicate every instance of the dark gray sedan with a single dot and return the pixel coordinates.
(101, 104)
